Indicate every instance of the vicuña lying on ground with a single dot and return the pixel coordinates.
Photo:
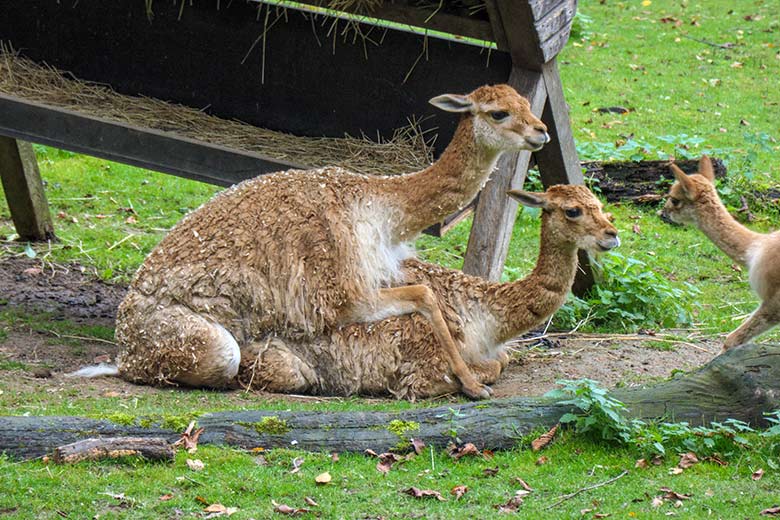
(300, 252)
(400, 355)
(693, 199)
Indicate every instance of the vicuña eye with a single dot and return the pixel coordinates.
(675, 202)
(499, 115)
(573, 212)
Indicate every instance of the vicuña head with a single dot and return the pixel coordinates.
(688, 192)
(575, 215)
(502, 118)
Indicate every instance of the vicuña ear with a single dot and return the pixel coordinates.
(685, 182)
(453, 103)
(706, 169)
(526, 198)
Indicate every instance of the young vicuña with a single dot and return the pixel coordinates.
(693, 199)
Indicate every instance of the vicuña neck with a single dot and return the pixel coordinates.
(714, 220)
(521, 305)
(444, 187)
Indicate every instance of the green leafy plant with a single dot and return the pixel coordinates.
(630, 294)
(453, 428)
(600, 417)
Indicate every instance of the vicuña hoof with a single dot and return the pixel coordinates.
(480, 392)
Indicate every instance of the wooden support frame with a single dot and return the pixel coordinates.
(536, 77)
(24, 190)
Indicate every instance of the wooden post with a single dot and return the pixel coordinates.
(24, 190)
(494, 217)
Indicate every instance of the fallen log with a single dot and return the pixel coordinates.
(150, 448)
(743, 384)
(627, 180)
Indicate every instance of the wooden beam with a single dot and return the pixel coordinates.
(431, 19)
(152, 149)
(517, 20)
(494, 217)
(24, 190)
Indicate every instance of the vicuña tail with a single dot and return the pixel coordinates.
(100, 370)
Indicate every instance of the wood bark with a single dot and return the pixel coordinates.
(742, 384)
(151, 448)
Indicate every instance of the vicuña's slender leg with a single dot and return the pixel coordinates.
(397, 301)
(763, 319)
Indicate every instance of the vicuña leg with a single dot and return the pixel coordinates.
(398, 301)
(764, 318)
(271, 366)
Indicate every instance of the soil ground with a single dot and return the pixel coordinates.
(71, 293)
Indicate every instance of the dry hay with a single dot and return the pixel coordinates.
(406, 151)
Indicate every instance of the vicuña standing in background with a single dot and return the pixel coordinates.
(693, 199)
(300, 252)
(400, 356)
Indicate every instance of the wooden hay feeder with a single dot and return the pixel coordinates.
(298, 68)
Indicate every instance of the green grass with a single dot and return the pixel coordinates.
(358, 490)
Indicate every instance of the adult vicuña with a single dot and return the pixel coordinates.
(301, 252)
(400, 356)
(693, 199)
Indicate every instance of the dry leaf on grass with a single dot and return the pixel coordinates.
(757, 474)
(601, 515)
(772, 511)
(545, 439)
(523, 484)
(418, 446)
(219, 510)
(323, 478)
(675, 471)
(687, 460)
(386, 461)
(641, 463)
(195, 464)
(287, 510)
(310, 502)
(490, 472)
(423, 493)
(334, 457)
(188, 439)
(459, 491)
(467, 449)
(296, 463)
(511, 505)
(673, 495)
(542, 460)
(166, 497)
(657, 502)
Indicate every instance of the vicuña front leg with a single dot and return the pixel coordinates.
(398, 301)
(764, 318)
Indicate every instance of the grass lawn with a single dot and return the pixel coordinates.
(696, 76)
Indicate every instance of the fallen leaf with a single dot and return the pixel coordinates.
(334, 457)
(772, 511)
(757, 474)
(261, 461)
(673, 495)
(310, 501)
(523, 483)
(487, 454)
(188, 439)
(601, 515)
(219, 510)
(636, 229)
(195, 464)
(33, 271)
(287, 510)
(418, 446)
(467, 449)
(687, 460)
(511, 505)
(545, 439)
(657, 502)
(542, 460)
(675, 471)
(657, 460)
(459, 491)
(296, 463)
(323, 478)
(641, 463)
(584, 512)
(744, 122)
(423, 493)
(490, 472)
(201, 500)
(166, 497)
(386, 461)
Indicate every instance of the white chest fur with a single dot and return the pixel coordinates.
(479, 330)
(380, 257)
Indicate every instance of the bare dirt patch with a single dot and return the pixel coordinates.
(72, 293)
